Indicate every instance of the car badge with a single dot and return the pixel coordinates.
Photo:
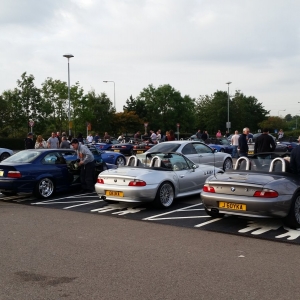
(233, 189)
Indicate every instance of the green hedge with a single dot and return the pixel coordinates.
(13, 144)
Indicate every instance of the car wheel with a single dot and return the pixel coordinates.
(44, 188)
(165, 195)
(120, 161)
(213, 214)
(4, 155)
(293, 218)
(227, 164)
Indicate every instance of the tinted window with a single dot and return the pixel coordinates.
(201, 148)
(188, 149)
(164, 147)
(54, 158)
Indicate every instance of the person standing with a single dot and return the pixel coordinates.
(295, 159)
(219, 134)
(89, 138)
(40, 143)
(65, 144)
(243, 143)
(158, 135)
(53, 142)
(264, 143)
(227, 134)
(153, 136)
(106, 136)
(204, 136)
(199, 134)
(29, 143)
(235, 143)
(58, 137)
(96, 138)
(87, 163)
(137, 135)
(171, 135)
(280, 135)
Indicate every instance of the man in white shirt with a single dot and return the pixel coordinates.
(153, 136)
(235, 143)
(89, 138)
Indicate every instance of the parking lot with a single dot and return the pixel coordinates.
(186, 212)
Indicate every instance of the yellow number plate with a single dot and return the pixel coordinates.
(116, 150)
(114, 193)
(233, 206)
(140, 151)
(250, 152)
(1, 173)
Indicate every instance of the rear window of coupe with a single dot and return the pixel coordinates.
(23, 156)
(164, 147)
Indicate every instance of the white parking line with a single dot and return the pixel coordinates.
(86, 203)
(208, 222)
(170, 212)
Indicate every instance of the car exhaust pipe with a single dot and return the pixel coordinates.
(103, 198)
(215, 210)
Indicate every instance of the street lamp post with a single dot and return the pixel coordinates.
(281, 110)
(68, 56)
(106, 81)
(228, 125)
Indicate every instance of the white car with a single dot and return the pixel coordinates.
(5, 153)
(196, 151)
(158, 178)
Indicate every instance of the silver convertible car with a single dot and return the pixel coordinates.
(196, 151)
(158, 178)
(261, 186)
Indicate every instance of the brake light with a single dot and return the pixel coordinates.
(137, 182)
(208, 189)
(123, 146)
(266, 194)
(14, 174)
(100, 180)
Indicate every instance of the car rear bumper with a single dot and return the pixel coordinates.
(256, 207)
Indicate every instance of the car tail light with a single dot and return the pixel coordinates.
(100, 180)
(208, 189)
(14, 174)
(123, 146)
(137, 182)
(266, 194)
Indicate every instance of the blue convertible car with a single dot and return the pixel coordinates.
(43, 171)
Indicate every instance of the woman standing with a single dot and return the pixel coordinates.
(40, 143)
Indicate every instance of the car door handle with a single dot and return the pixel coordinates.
(181, 176)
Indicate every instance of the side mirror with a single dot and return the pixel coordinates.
(215, 151)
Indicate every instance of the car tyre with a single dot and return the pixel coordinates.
(165, 195)
(120, 161)
(227, 164)
(44, 188)
(213, 214)
(293, 218)
(4, 155)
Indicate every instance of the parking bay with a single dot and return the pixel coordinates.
(186, 212)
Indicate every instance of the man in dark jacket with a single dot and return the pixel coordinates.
(264, 143)
(243, 142)
(29, 143)
(295, 159)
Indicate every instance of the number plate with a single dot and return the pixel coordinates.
(139, 151)
(114, 193)
(1, 173)
(250, 152)
(233, 206)
(116, 150)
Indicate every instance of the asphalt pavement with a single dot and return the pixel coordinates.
(64, 254)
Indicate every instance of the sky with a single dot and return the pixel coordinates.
(196, 46)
